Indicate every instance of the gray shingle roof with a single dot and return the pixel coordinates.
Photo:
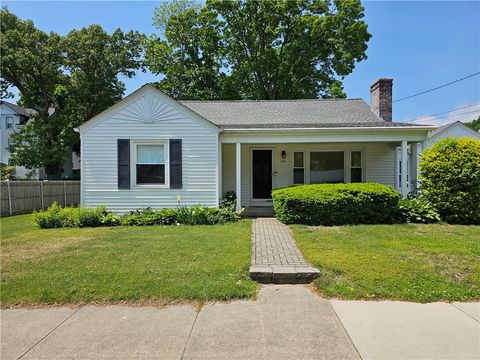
(245, 114)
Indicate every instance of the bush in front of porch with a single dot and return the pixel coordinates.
(336, 204)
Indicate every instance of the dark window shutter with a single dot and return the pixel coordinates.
(175, 163)
(123, 154)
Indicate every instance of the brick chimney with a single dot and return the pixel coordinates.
(381, 98)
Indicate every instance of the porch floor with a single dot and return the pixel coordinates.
(275, 256)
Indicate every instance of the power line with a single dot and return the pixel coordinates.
(455, 116)
(445, 112)
(436, 88)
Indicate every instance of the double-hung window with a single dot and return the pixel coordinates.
(356, 171)
(150, 162)
(9, 121)
(298, 168)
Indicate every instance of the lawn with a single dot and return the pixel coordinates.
(408, 262)
(123, 264)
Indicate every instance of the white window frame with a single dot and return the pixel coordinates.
(8, 124)
(345, 173)
(362, 164)
(133, 162)
(296, 167)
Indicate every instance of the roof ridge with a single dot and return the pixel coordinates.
(259, 101)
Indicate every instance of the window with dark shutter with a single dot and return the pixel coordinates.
(176, 163)
(123, 159)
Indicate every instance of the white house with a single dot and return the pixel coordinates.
(149, 150)
(13, 118)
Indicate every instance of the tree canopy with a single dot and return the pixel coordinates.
(475, 124)
(256, 49)
(66, 80)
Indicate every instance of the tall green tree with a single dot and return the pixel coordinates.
(188, 51)
(66, 80)
(475, 124)
(260, 49)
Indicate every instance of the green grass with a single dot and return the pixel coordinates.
(117, 264)
(408, 262)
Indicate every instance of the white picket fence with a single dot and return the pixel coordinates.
(19, 197)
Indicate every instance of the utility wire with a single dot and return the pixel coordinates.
(456, 116)
(438, 87)
(445, 112)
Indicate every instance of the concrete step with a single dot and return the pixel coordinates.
(258, 211)
(283, 274)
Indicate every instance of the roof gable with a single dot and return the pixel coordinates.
(448, 127)
(145, 105)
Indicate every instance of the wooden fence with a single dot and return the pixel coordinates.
(19, 197)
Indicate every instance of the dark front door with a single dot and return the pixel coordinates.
(262, 174)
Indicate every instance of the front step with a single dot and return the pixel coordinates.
(258, 211)
(283, 274)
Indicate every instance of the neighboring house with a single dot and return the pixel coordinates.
(456, 130)
(13, 118)
(149, 150)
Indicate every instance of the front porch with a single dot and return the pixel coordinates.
(254, 167)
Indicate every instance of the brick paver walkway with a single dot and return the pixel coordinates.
(275, 256)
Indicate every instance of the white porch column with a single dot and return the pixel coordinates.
(238, 180)
(404, 169)
(413, 166)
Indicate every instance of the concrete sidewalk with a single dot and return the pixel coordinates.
(286, 322)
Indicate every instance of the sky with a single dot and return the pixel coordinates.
(421, 45)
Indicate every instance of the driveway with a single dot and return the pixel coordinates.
(285, 322)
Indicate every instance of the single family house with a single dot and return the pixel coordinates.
(150, 150)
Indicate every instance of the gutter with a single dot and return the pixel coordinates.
(394, 128)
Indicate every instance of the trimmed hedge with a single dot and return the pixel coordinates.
(336, 204)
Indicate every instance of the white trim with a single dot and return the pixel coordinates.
(219, 171)
(385, 128)
(238, 176)
(404, 169)
(133, 163)
(82, 173)
(250, 180)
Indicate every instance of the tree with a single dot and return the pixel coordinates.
(475, 124)
(259, 49)
(188, 53)
(66, 80)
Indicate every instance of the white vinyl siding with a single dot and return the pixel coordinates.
(378, 161)
(149, 118)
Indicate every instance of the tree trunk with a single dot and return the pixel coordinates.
(54, 171)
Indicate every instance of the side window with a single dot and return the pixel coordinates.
(298, 167)
(9, 121)
(356, 171)
(150, 164)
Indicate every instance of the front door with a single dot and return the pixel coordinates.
(262, 174)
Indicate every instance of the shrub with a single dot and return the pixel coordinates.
(148, 216)
(7, 173)
(417, 210)
(336, 204)
(229, 200)
(199, 215)
(450, 175)
(57, 217)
